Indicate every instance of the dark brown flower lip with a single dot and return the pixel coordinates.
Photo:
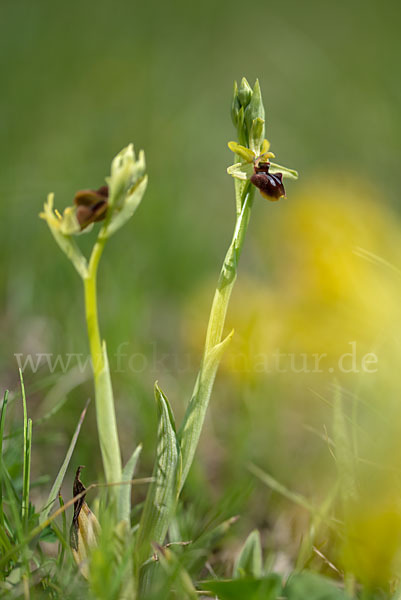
(270, 185)
(91, 205)
(91, 197)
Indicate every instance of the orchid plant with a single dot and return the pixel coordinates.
(112, 206)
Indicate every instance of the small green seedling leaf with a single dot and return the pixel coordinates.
(249, 560)
(267, 588)
(313, 587)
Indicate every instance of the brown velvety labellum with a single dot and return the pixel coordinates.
(270, 185)
(91, 197)
(91, 205)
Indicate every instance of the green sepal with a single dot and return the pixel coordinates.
(65, 242)
(132, 200)
(241, 171)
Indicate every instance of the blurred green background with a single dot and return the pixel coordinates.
(82, 79)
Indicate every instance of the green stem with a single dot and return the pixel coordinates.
(105, 411)
(195, 414)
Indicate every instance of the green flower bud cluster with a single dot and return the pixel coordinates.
(248, 115)
(114, 204)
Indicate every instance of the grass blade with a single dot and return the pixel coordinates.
(60, 476)
(27, 457)
(27, 473)
(2, 422)
(124, 500)
(281, 489)
(343, 450)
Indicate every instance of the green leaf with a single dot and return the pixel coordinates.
(106, 421)
(287, 173)
(267, 588)
(195, 414)
(163, 492)
(124, 499)
(313, 587)
(48, 535)
(249, 560)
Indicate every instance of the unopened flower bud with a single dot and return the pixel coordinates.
(244, 93)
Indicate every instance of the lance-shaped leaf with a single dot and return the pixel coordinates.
(163, 492)
(192, 425)
(249, 560)
(85, 528)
